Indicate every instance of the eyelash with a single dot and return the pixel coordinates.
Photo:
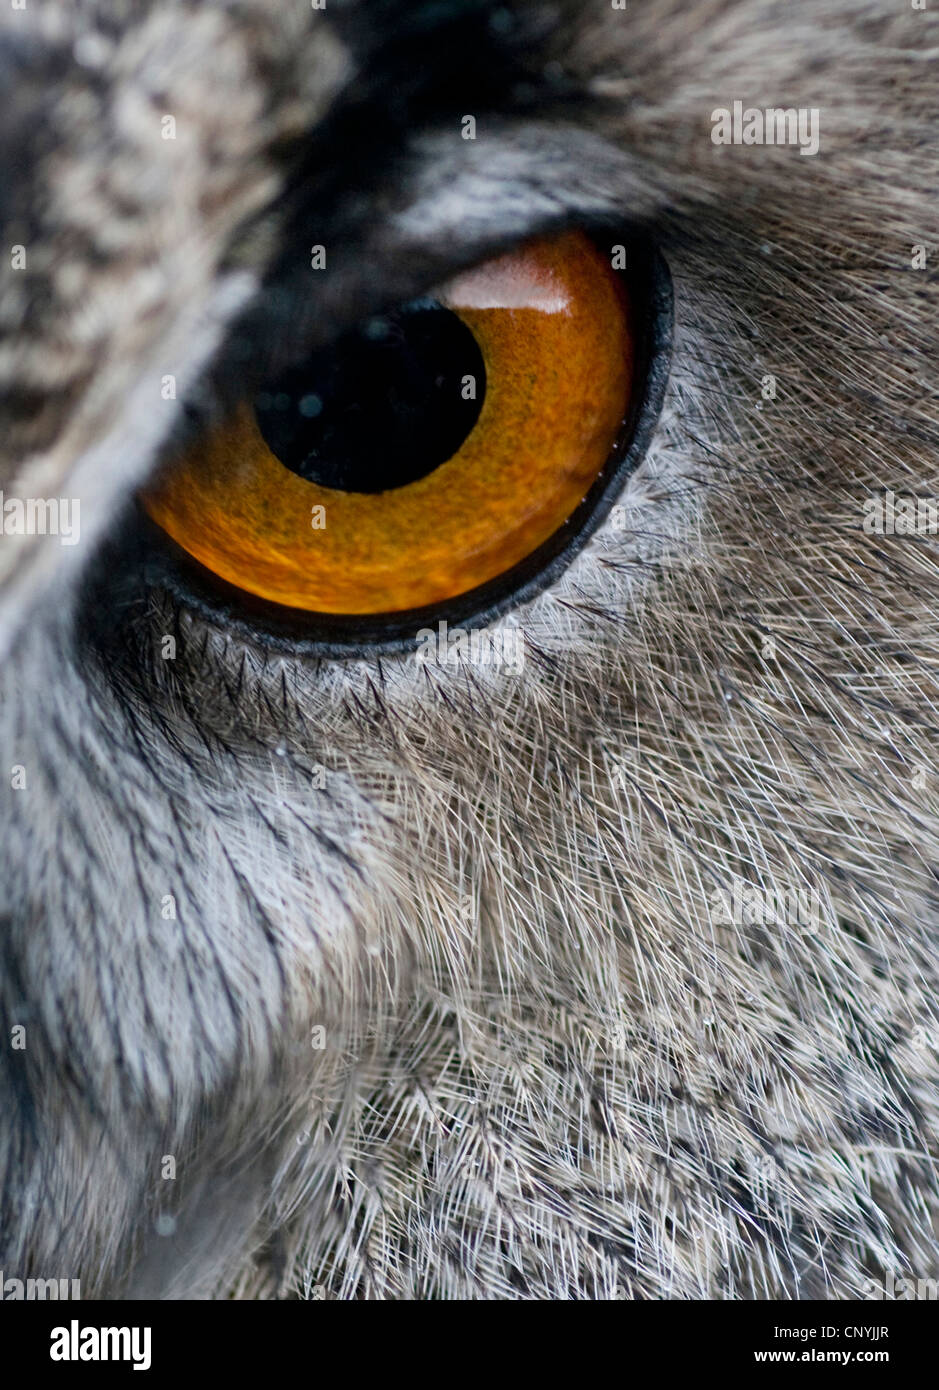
(219, 604)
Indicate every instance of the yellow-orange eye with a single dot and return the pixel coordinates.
(426, 454)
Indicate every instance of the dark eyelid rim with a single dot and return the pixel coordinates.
(339, 637)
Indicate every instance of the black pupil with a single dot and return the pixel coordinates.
(383, 407)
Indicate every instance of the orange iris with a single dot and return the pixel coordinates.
(552, 323)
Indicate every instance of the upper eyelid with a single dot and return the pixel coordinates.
(456, 204)
(273, 331)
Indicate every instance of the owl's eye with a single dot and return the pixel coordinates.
(429, 453)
